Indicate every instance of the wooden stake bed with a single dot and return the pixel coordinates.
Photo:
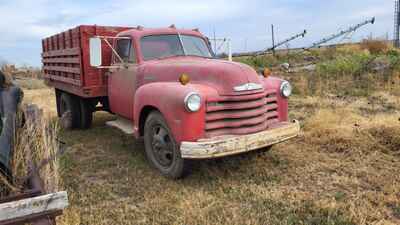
(65, 61)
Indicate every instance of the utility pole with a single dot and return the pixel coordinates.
(230, 50)
(215, 42)
(273, 39)
(397, 24)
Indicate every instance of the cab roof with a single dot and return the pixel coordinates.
(141, 32)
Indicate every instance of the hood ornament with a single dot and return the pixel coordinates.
(248, 87)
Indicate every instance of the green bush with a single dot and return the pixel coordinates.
(354, 64)
(394, 58)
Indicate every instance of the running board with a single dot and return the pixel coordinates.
(122, 124)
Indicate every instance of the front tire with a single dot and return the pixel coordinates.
(161, 149)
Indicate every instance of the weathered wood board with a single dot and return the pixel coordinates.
(37, 205)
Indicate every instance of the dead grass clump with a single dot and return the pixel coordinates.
(343, 130)
(349, 48)
(375, 46)
(332, 131)
(44, 98)
(387, 136)
(30, 84)
(36, 141)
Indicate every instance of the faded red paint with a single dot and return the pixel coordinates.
(155, 83)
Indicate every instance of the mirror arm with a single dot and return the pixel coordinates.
(113, 50)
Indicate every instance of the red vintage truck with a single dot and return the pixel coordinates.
(166, 85)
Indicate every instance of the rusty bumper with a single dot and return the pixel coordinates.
(231, 145)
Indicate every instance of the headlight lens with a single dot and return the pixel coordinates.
(286, 89)
(193, 102)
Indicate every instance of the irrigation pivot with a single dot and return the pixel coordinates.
(273, 48)
(341, 33)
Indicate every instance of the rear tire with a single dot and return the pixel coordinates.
(86, 113)
(58, 102)
(161, 149)
(70, 111)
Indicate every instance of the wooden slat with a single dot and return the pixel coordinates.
(64, 52)
(63, 69)
(40, 204)
(63, 79)
(75, 60)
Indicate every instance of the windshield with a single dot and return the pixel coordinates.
(163, 46)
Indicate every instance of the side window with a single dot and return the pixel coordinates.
(125, 49)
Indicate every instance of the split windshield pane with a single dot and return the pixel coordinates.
(163, 46)
(195, 46)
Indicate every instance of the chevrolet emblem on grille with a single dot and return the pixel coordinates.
(248, 87)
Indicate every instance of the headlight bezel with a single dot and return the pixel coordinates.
(284, 88)
(190, 97)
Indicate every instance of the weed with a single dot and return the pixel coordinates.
(339, 196)
(396, 211)
(375, 46)
(35, 142)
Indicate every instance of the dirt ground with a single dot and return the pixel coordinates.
(344, 168)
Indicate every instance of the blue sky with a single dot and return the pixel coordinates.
(24, 23)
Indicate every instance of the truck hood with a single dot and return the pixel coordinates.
(219, 74)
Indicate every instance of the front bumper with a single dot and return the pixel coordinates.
(231, 145)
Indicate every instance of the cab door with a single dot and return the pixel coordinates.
(122, 79)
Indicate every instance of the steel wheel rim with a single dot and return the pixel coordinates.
(162, 146)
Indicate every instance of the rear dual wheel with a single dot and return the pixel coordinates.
(75, 112)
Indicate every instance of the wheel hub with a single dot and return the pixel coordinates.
(162, 146)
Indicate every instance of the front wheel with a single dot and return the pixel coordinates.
(161, 148)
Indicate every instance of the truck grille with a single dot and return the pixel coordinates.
(241, 114)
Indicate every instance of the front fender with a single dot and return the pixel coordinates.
(168, 98)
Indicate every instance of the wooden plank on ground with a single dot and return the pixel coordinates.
(41, 204)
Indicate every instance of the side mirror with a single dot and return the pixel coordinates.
(95, 52)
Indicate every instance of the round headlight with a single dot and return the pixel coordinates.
(193, 102)
(286, 89)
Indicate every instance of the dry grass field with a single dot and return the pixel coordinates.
(343, 169)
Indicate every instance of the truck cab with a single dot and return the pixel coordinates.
(185, 103)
